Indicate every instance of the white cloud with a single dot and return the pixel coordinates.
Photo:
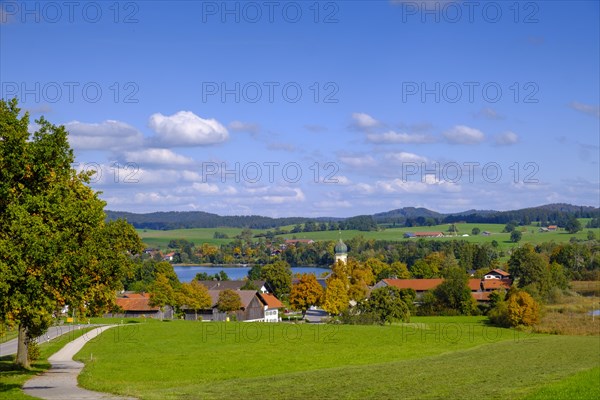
(187, 129)
(332, 204)
(507, 138)
(358, 161)
(488, 113)
(404, 157)
(157, 157)
(364, 121)
(107, 135)
(394, 137)
(239, 126)
(589, 109)
(462, 134)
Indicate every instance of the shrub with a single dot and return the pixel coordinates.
(33, 349)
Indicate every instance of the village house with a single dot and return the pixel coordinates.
(497, 274)
(169, 256)
(552, 227)
(260, 285)
(256, 307)
(272, 305)
(137, 305)
(496, 279)
(424, 234)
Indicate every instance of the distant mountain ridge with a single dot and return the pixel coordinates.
(408, 216)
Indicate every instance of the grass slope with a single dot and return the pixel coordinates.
(429, 358)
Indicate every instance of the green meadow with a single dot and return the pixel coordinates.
(435, 357)
(531, 234)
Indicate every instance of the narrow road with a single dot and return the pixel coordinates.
(60, 381)
(10, 347)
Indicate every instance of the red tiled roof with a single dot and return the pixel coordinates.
(271, 301)
(427, 234)
(139, 302)
(416, 284)
(499, 272)
(474, 284)
(493, 284)
(481, 296)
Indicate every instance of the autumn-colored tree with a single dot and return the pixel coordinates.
(195, 296)
(55, 247)
(399, 270)
(162, 293)
(428, 267)
(306, 293)
(229, 301)
(523, 309)
(336, 297)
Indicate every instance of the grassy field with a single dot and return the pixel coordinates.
(12, 379)
(435, 357)
(531, 234)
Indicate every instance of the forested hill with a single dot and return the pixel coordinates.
(547, 214)
(409, 216)
(199, 219)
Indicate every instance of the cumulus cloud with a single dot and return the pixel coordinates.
(462, 134)
(358, 161)
(507, 139)
(107, 135)
(363, 121)
(488, 113)
(394, 137)
(239, 126)
(405, 157)
(185, 128)
(588, 109)
(157, 157)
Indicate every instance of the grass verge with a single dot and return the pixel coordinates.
(13, 378)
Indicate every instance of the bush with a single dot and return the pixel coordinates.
(33, 350)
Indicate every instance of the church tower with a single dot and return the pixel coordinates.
(341, 251)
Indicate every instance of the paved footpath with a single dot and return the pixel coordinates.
(10, 347)
(60, 381)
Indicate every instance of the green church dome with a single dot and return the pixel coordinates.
(341, 247)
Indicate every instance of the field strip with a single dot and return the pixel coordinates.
(525, 365)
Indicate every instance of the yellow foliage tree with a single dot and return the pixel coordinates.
(523, 309)
(307, 292)
(336, 297)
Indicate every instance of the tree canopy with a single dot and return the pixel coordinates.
(307, 292)
(55, 247)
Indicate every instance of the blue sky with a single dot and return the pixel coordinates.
(316, 108)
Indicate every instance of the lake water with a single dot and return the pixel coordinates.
(187, 273)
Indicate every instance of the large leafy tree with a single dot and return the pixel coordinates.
(229, 301)
(454, 293)
(336, 297)
(193, 295)
(279, 277)
(307, 292)
(55, 247)
(388, 304)
(162, 293)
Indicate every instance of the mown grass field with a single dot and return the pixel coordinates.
(436, 357)
(12, 379)
(531, 234)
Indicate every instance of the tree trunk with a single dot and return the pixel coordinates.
(22, 349)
